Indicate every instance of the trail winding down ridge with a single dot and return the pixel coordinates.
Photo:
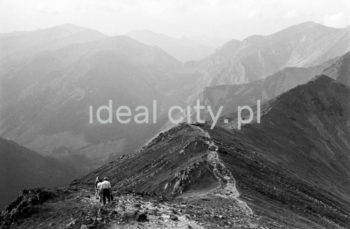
(223, 175)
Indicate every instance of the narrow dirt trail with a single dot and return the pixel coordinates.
(223, 175)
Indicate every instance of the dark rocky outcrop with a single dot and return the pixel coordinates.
(25, 205)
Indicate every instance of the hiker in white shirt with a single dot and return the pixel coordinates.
(105, 188)
(97, 190)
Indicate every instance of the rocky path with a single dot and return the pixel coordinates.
(223, 175)
(130, 211)
(79, 209)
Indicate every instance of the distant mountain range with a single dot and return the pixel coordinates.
(50, 77)
(55, 88)
(232, 96)
(25, 44)
(256, 57)
(183, 49)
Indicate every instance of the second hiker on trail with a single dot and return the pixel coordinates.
(97, 189)
(105, 190)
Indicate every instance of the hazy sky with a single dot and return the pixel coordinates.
(214, 18)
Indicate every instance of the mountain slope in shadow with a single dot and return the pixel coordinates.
(22, 168)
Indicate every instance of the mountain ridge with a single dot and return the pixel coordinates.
(182, 49)
(267, 159)
(291, 170)
(257, 57)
